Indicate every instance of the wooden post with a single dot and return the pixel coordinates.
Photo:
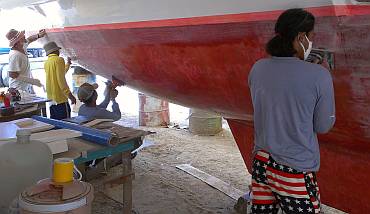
(127, 183)
(42, 106)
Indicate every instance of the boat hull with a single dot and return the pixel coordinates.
(204, 63)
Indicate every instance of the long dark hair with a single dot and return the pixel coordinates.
(287, 27)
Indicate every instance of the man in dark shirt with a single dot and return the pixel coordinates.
(88, 95)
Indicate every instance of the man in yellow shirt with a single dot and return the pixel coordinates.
(56, 85)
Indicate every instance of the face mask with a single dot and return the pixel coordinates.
(309, 49)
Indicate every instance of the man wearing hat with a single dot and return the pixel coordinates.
(56, 85)
(19, 66)
(88, 95)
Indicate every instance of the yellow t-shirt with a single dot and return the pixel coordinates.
(56, 85)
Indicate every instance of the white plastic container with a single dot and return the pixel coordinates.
(204, 123)
(46, 197)
(22, 164)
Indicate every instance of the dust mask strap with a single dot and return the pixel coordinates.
(309, 49)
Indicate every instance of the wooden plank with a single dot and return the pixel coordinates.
(24, 122)
(123, 133)
(57, 147)
(41, 187)
(108, 151)
(79, 149)
(28, 112)
(78, 120)
(212, 181)
(96, 122)
(73, 190)
(31, 99)
(33, 125)
(55, 135)
(127, 183)
(76, 147)
(8, 130)
(56, 139)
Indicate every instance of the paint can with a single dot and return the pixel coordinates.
(204, 123)
(46, 197)
(153, 111)
(63, 170)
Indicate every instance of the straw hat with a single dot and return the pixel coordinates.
(86, 91)
(50, 47)
(14, 36)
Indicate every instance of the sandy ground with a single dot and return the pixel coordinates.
(216, 155)
(161, 188)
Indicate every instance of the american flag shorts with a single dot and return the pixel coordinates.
(276, 186)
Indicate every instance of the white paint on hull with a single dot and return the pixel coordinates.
(63, 13)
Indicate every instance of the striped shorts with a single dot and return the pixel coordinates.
(277, 186)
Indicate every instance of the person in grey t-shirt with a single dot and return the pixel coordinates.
(88, 95)
(293, 101)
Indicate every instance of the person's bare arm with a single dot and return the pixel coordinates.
(68, 64)
(29, 80)
(13, 74)
(107, 98)
(35, 37)
(72, 98)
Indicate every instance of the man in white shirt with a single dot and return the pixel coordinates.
(20, 76)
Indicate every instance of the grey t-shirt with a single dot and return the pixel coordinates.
(100, 111)
(293, 100)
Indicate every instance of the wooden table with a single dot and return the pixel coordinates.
(83, 151)
(39, 101)
(37, 107)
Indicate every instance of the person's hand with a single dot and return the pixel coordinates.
(113, 94)
(41, 33)
(317, 61)
(72, 98)
(116, 82)
(37, 83)
(108, 88)
(326, 64)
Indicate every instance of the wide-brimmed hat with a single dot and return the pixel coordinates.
(14, 36)
(50, 47)
(86, 91)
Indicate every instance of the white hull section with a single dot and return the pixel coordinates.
(66, 13)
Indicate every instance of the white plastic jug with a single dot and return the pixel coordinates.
(22, 164)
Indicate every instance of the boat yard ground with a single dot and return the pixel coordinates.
(160, 188)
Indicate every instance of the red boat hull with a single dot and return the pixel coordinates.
(204, 63)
